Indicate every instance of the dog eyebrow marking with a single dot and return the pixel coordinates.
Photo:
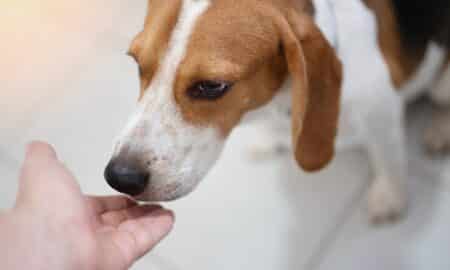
(167, 133)
(157, 103)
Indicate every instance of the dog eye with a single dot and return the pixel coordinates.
(210, 90)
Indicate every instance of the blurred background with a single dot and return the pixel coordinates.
(65, 78)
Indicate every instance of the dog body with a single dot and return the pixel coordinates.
(372, 106)
(207, 66)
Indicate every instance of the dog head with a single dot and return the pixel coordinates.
(203, 65)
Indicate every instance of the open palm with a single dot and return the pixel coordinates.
(80, 232)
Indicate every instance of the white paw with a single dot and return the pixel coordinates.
(386, 201)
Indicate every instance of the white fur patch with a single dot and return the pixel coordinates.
(325, 18)
(178, 154)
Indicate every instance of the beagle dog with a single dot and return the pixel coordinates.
(329, 69)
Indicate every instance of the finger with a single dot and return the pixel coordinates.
(135, 238)
(115, 218)
(38, 157)
(102, 204)
(44, 178)
(39, 153)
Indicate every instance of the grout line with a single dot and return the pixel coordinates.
(330, 237)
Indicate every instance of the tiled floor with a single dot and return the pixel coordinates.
(75, 89)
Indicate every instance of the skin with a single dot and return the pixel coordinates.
(53, 226)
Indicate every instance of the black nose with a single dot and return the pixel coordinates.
(126, 178)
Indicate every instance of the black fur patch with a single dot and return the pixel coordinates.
(422, 21)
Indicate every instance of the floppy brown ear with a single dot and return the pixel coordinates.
(160, 19)
(136, 45)
(316, 76)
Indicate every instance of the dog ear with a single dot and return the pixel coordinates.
(136, 46)
(138, 42)
(161, 18)
(316, 75)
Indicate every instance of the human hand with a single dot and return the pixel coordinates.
(53, 226)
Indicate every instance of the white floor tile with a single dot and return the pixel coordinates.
(417, 242)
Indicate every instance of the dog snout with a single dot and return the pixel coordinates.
(127, 177)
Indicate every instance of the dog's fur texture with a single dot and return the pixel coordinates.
(283, 57)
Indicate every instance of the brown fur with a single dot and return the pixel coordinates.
(249, 55)
(255, 45)
(245, 52)
(316, 93)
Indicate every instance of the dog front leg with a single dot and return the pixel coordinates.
(386, 148)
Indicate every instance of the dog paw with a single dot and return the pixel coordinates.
(386, 201)
(437, 135)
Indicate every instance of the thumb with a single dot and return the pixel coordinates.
(42, 173)
(40, 152)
